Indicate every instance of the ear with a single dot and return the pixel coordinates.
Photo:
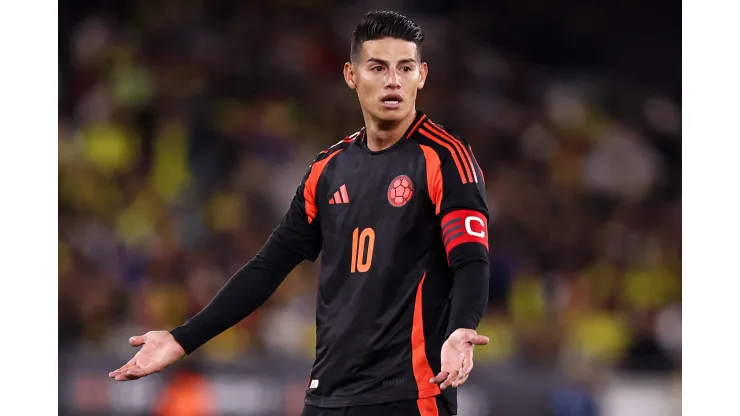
(349, 75)
(423, 72)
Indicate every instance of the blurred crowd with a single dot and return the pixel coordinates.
(185, 128)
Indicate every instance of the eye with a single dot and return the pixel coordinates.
(377, 68)
(407, 69)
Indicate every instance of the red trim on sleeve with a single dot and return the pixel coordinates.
(464, 226)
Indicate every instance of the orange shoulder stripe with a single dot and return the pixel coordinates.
(467, 161)
(309, 189)
(450, 149)
(434, 176)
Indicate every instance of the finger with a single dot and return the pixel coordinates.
(467, 366)
(460, 381)
(136, 341)
(139, 371)
(479, 340)
(460, 375)
(463, 369)
(123, 368)
(442, 376)
(449, 380)
(136, 371)
(124, 377)
(114, 373)
(455, 382)
(127, 374)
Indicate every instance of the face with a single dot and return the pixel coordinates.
(387, 78)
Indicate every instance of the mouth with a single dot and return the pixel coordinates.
(391, 100)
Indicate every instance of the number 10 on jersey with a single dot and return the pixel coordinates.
(363, 243)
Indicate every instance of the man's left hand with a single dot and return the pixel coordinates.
(457, 357)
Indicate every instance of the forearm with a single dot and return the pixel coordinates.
(465, 236)
(469, 295)
(246, 291)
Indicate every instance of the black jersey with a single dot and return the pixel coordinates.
(403, 235)
(385, 223)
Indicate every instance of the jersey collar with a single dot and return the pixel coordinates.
(413, 128)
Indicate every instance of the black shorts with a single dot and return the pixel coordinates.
(430, 406)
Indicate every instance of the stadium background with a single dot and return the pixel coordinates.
(184, 129)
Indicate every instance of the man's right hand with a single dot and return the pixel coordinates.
(159, 350)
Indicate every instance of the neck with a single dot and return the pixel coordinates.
(382, 134)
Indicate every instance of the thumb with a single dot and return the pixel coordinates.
(479, 339)
(136, 341)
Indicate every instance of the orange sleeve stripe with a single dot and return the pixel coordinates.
(434, 176)
(452, 152)
(423, 116)
(422, 370)
(459, 146)
(309, 189)
(428, 406)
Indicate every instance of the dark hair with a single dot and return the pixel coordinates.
(384, 24)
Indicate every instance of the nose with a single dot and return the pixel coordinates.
(393, 80)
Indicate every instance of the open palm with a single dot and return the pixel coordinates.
(457, 357)
(158, 350)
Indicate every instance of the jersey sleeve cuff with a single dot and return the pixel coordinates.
(186, 342)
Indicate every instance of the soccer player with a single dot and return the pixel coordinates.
(398, 212)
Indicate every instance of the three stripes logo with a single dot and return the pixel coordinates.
(340, 196)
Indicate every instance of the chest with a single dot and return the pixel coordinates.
(386, 191)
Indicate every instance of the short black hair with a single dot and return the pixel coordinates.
(384, 24)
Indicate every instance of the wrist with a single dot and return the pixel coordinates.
(178, 347)
(179, 335)
(460, 325)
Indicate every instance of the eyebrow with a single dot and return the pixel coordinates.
(402, 61)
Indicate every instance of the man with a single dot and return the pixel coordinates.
(398, 211)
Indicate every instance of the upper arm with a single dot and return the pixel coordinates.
(300, 228)
(458, 193)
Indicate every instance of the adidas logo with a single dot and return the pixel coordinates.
(340, 196)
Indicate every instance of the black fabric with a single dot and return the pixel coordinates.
(469, 292)
(388, 289)
(400, 408)
(243, 293)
